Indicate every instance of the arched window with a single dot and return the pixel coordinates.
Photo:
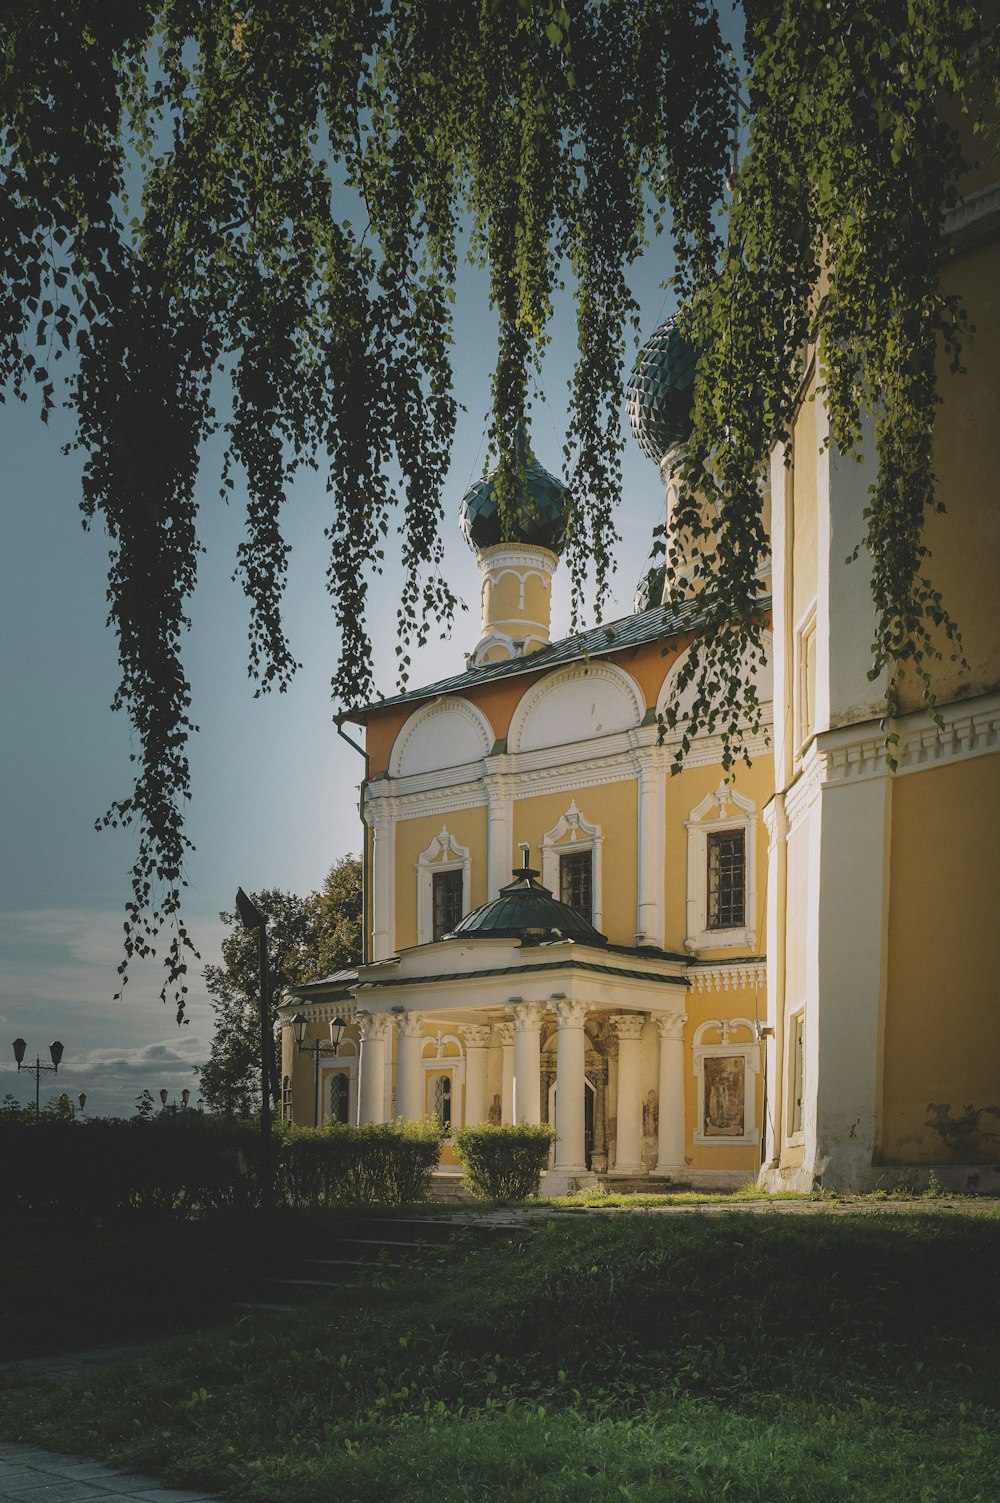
(340, 1091)
(441, 1100)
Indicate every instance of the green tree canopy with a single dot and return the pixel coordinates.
(307, 938)
(249, 220)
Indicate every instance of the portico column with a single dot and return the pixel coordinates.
(628, 1151)
(671, 1136)
(409, 1084)
(504, 1032)
(477, 1039)
(371, 1084)
(570, 1057)
(527, 1061)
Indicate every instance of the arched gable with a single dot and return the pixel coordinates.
(764, 675)
(577, 704)
(445, 733)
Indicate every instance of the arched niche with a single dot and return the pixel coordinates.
(446, 733)
(580, 703)
(764, 676)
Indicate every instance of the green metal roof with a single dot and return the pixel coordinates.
(525, 907)
(568, 963)
(612, 636)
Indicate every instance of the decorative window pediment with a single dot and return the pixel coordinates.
(572, 835)
(721, 876)
(444, 854)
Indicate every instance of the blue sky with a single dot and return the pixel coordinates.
(274, 790)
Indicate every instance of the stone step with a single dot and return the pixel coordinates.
(641, 1184)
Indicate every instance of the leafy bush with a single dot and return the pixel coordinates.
(384, 1163)
(505, 1162)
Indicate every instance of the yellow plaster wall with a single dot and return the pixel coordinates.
(942, 1021)
(700, 1007)
(683, 793)
(467, 827)
(614, 807)
(965, 541)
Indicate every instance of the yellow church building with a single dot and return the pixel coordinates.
(789, 973)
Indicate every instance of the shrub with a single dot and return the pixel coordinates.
(505, 1162)
(383, 1163)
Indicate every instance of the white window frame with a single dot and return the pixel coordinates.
(572, 835)
(804, 633)
(749, 1052)
(444, 854)
(719, 813)
(345, 1061)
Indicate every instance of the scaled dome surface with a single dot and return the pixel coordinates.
(525, 907)
(543, 517)
(658, 396)
(649, 591)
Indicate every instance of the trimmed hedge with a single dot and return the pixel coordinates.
(183, 1162)
(505, 1162)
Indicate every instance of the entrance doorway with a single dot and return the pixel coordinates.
(589, 1098)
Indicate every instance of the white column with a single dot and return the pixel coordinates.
(672, 1136)
(571, 1152)
(371, 1086)
(409, 1075)
(500, 855)
(527, 1061)
(477, 1040)
(504, 1032)
(649, 907)
(628, 1151)
(379, 814)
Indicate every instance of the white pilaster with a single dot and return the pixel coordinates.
(527, 1061)
(477, 1040)
(409, 1075)
(504, 1033)
(571, 1153)
(649, 907)
(500, 854)
(628, 1150)
(776, 823)
(380, 814)
(371, 1086)
(671, 1136)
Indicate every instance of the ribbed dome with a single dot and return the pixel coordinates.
(524, 907)
(659, 391)
(543, 518)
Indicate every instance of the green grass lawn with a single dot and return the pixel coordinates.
(640, 1357)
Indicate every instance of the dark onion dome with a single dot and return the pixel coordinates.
(527, 910)
(543, 517)
(649, 590)
(659, 391)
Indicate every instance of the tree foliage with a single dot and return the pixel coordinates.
(307, 938)
(256, 214)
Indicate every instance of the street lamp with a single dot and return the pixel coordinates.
(56, 1052)
(76, 1110)
(252, 918)
(185, 1098)
(321, 1047)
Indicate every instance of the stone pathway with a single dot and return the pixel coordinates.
(28, 1475)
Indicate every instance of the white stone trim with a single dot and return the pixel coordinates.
(797, 1138)
(743, 817)
(574, 673)
(443, 854)
(742, 975)
(445, 704)
(380, 816)
(571, 835)
(726, 1048)
(976, 209)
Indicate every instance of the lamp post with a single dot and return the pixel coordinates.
(321, 1047)
(185, 1098)
(252, 918)
(56, 1052)
(76, 1110)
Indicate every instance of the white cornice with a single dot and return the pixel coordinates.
(977, 214)
(738, 975)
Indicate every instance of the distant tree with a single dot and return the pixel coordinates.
(307, 938)
(10, 1108)
(145, 1106)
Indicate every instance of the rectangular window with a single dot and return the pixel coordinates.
(576, 882)
(727, 880)
(340, 1091)
(807, 680)
(447, 902)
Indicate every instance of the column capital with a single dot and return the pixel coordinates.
(528, 1016)
(374, 1026)
(476, 1035)
(671, 1024)
(504, 1034)
(410, 1024)
(570, 1014)
(628, 1025)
